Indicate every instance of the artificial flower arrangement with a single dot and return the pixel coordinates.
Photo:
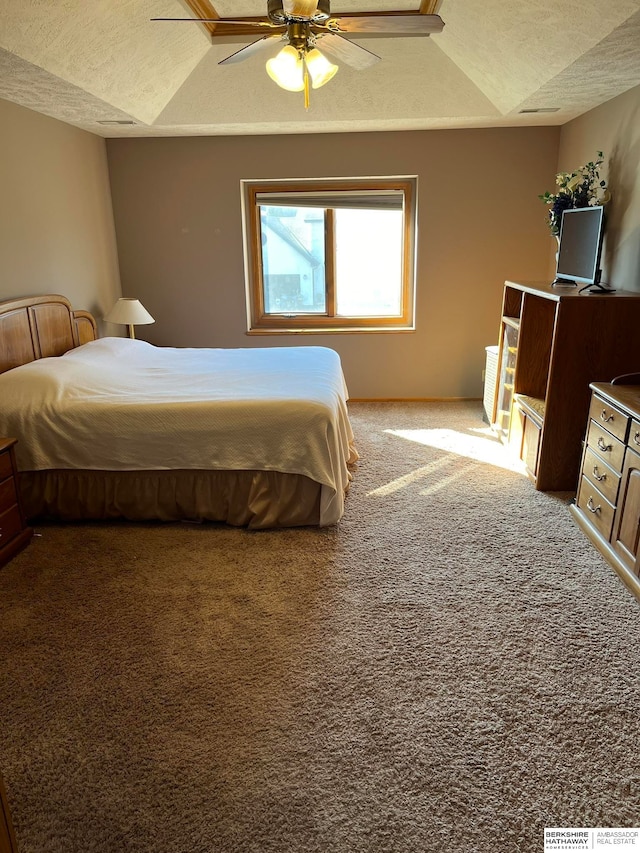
(582, 188)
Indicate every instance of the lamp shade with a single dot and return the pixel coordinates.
(129, 312)
(319, 67)
(286, 69)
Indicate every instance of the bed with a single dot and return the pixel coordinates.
(119, 428)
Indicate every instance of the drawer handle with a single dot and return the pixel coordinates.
(602, 445)
(636, 438)
(599, 477)
(603, 416)
(591, 507)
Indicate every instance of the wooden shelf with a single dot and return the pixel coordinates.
(532, 405)
(512, 321)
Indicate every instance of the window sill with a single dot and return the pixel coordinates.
(334, 330)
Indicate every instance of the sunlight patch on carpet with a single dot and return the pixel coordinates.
(411, 477)
(483, 446)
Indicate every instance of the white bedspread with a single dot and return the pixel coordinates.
(123, 405)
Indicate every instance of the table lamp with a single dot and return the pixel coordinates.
(129, 312)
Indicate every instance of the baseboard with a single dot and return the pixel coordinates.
(415, 399)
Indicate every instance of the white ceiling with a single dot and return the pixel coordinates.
(105, 60)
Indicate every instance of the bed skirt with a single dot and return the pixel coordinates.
(254, 499)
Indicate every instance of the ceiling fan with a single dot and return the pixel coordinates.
(302, 25)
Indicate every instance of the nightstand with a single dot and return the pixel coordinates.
(14, 533)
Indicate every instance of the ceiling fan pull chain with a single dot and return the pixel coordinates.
(306, 85)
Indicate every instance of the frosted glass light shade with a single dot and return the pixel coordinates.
(129, 312)
(286, 70)
(319, 67)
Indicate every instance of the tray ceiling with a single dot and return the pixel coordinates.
(106, 61)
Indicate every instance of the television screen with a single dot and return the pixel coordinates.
(581, 234)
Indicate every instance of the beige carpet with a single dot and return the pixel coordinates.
(452, 668)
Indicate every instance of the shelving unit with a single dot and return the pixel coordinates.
(508, 353)
(553, 342)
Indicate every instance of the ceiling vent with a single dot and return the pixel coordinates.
(541, 110)
(116, 121)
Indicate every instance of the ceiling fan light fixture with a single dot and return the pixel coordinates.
(319, 68)
(286, 69)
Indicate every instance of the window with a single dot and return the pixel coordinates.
(330, 255)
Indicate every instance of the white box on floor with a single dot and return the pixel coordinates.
(490, 378)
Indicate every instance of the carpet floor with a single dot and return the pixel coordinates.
(451, 668)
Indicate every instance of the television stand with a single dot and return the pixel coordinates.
(553, 342)
(563, 281)
(596, 287)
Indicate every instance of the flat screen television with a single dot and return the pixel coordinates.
(581, 233)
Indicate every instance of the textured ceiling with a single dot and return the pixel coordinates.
(105, 60)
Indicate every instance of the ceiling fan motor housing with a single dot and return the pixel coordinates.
(276, 13)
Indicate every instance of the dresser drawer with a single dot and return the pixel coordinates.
(8, 495)
(634, 436)
(596, 507)
(10, 525)
(605, 445)
(6, 469)
(609, 417)
(600, 475)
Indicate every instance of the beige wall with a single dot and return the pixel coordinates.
(56, 221)
(614, 129)
(177, 210)
(178, 223)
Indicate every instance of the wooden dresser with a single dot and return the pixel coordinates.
(607, 505)
(7, 836)
(14, 533)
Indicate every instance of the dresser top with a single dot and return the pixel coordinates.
(625, 397)
(560, 292)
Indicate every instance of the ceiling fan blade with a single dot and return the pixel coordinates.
(241, 22)
(300, 8)
(346, 51)
(250, 49)
(382, 24)
(193, 20)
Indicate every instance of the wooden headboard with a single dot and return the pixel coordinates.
(39, 327)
